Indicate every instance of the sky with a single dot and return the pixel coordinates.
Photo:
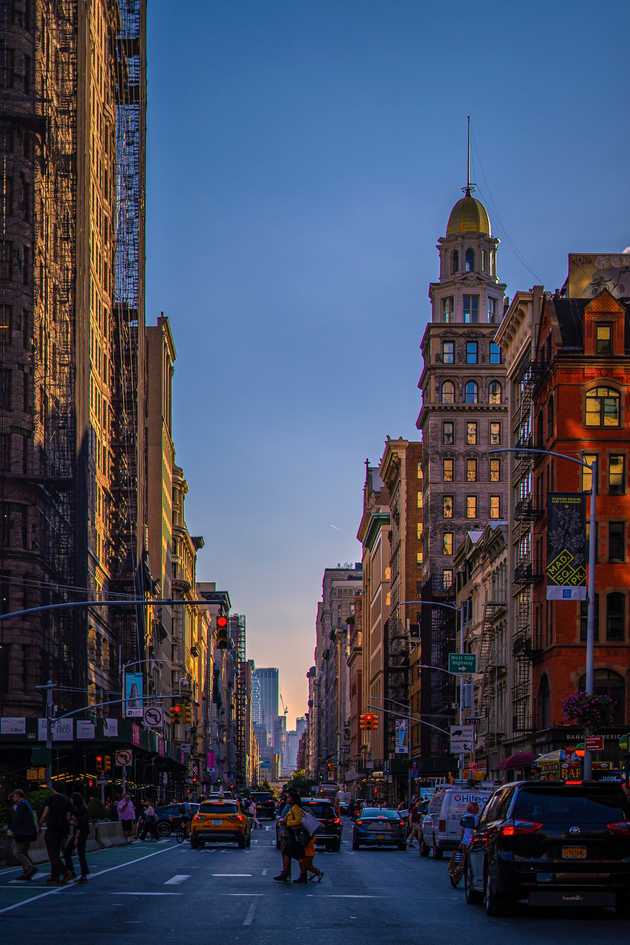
(303, 158)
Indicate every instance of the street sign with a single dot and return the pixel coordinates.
(594, 743)
(462, 663)
(462, 739)
(123, 757)
(153, 716)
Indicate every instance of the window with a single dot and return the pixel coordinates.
(471, 433)
(611, 684)
(420, 500)
(470, 260)
(448, 432)
(616, 541)
(584, 618)
(5, 325)
(448, 504)
(602, 407)
(495, 506)
(484, 260)
(448, 470)
(447, 543)
(419, 531)
(616, 474)
(447, 579)
(419, 473)
(495, 470)
(448, 352)
(492, 309)
(419, 556)
(5, 452)
(495, 433)
(471, 506)
(448, 392)
(471, 470)
(603, 339)
(472, 352)
(587, 475)
(6, 259)
(471, 392)
(5, 388)
(495, 353)
(495, 392)
(447, 309)
(455, 261)
(7, 67)
(471, 309)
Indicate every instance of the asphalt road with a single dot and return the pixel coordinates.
(166, 894)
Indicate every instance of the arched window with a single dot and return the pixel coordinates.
(611, 684)
(544, 703)
(495, 392)
(448, 393)
(603, 407)
(471, 394)
(455, 263)
(470, 260)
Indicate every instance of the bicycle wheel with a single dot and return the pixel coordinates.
(180, 835)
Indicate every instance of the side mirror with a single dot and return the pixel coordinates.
(468, 821)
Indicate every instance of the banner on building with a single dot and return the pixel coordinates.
(110, 728)
(134, 691)
(400, 727)
(85, 729)
(12, 726)
(566, 546)
(63, 730)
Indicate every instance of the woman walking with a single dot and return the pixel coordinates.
(79, 832)
(126, 815)
(306, 864)
(292, 845)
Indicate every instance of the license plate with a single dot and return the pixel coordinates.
(217, 823)
(573, 853)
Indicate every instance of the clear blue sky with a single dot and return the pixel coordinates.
(303, 158)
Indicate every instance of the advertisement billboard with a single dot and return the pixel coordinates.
(134, 691)
(401, 736)
(566, 546)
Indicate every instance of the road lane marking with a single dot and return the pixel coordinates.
(249, 918)
(241, 894)
(145, 894)
(58, 889)
(177, 879)
(230, 874)
(265, 871)
(350, 896)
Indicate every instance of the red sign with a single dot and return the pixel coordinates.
(595, 743)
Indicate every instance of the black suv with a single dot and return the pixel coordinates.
(551, 844)
(265, 804)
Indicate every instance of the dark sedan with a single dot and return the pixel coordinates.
(379, 827)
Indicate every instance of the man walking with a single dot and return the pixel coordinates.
(56, 819)
(23, 827)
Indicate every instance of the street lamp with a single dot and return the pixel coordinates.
(590, 591)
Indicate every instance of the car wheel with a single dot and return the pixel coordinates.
(194, 843)
(493, 903)
(164, 829)
(424, 849)
(471, 895)
(241, 843)
(335, 847)
(355, 842)
(437, 853)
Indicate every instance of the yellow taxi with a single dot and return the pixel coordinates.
(218, 821)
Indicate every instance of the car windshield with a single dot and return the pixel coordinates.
(380, 812)
(572, 806)
(319, 809)
(218, 808)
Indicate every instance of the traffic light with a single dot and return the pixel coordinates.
(99, 764)
(107, 763)
(176, 712)
(223, 637)
(188, 714)
(368, 721)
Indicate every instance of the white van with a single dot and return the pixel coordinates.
(441, 826)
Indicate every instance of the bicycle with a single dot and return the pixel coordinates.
(456, 866)
(183, 831)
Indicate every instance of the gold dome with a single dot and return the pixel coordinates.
(468, 216)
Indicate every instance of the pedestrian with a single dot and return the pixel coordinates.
(23, 829)
(56, 819)
(126, 815)
(79, 832)
(149, 818)
(307, 865)
(293, 847)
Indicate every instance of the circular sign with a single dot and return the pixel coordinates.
(123, 758)
(153, 717)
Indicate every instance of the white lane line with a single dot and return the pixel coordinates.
(177, 879)
(20, 884)
(230, 874)
(164, 840)
(242, 894)
(350, 896)
(59, 889)
(264, 872)
(249, 918)
(145, 894)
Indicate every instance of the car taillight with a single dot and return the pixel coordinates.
(337, 821)
(518, 827)
(196, 819)
(358, 822)
(620, 827)
(442, 826)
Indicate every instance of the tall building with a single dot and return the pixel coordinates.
(266, 695)
(72, 494)
(463, 414)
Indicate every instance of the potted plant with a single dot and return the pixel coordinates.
(587, 711)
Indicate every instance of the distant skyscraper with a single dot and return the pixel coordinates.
(265, 695)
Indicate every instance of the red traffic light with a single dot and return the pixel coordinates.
(222, 622)
(99, 759)
(176, 710)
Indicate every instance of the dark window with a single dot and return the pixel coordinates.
(584, 618)
(448, 432)
(471, 392)
(603, 339)
(5, 451)
(495, 353)
(471, 309)
(455, 264)
(6, 259)
(472, 352)
(616, 541)
(447, 308)
(5, 388)
(217, 807)
(616, 474)
(615, 616)
(470, 260)
(7, 67)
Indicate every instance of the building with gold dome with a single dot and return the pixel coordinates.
(463, 414)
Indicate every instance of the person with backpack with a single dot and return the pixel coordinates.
(23, 828)
(56, 819)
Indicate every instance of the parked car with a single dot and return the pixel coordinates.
(379, 826)
(441, 826)
(551, 844)
(220, 821)
(170, 816)
(265, 804)
(329, 833)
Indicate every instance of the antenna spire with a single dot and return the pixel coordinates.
(469, 184)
